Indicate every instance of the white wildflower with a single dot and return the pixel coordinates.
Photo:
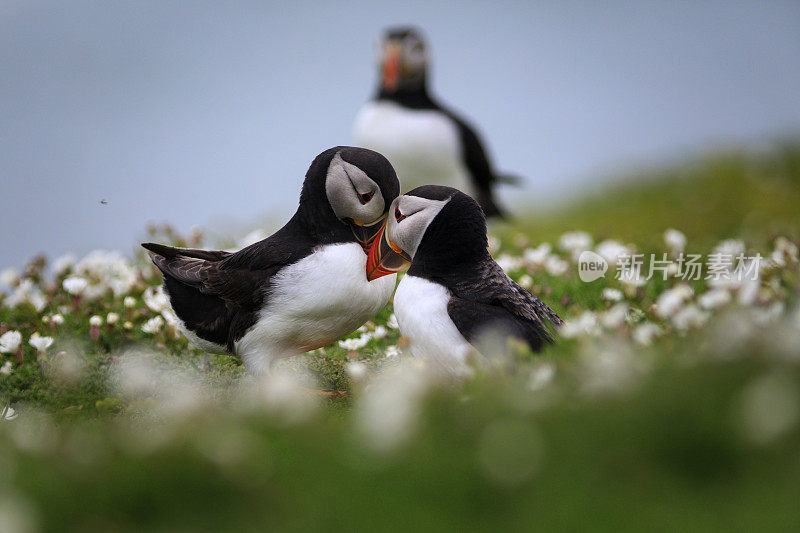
(112, 318)
(105, 271)
(575, 242)
(392, 322)
(380, 332)
(615, 316)
(352, 345)
(646, 333)
(57, 319)
(730, 247)
(356, 370)
(156, 299)
(509, 263)
(671, 300)
(714, 298)
(75, 285)
(747, 292)
(611, 294)
(10, 341)
(555, 266)
(8, 413)
(392, 351)
(769, 314)
(675, 241)
(63, 264)
(542, 375)
(129, 302)
(612, 250)
(6, 369)
(690, 316)
(493, 245)
(153, 325)
(536, 257)
(526, 281)
(784, 251)
(9, 276)
(40, 343)
(27, 292)
(95, 320)
(584, 324)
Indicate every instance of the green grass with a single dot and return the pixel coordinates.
(698, 432)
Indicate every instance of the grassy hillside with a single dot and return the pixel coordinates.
(668, 404)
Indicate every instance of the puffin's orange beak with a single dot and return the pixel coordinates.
(366, 234)
(391, 67)
(385, 257)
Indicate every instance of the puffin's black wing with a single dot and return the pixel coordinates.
(218, 294)
(477, 162)
(497, 302)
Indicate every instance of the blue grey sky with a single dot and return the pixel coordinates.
(191, 112)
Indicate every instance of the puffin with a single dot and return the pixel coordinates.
(299, 289)
(454, 293)
(425, 141)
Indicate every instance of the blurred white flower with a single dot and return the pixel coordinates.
(536, 257)
(63, 264)
(769, 408)
(555, 266)
(392, 322)
(95, 320)
(10, 341)
(615, 316)
(75, 285)
(575, 242)
(156, 299)
(675, 241)
(611, 294)
(690, 316)
(153, 325)
(105, 270)
(542, 375)
(493, 244)
(356, 370)
(671, 300)
(526, 281)
(392, 351)
(611, 251)
(40, 343)
(770, 313)
(509, 263)
(380, 332)
(644, 334)
(583, 324)
(714, 298)
(730, 247)
(57, 319)
(9, 276)
(27, 292)
(129, 302)
(6, 369)
(784, 251)
(7, 413)
(112, 318)
(254, 236)
(352, 345)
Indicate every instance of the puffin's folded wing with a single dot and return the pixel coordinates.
(475, 319)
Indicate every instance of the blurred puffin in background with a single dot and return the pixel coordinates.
(300, 289)
(425, 142)
(454, 293)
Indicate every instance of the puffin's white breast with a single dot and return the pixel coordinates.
(312, 303)
(423, 145)
(421, 310)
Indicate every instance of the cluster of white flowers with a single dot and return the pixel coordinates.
(11, 341)
(99, 272)
(27, 292)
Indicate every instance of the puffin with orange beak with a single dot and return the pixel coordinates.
(453, 292)
(425, 141)
(300, 289)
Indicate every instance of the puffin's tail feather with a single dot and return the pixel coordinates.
(182, 264)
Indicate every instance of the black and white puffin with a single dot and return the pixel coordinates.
(425, 141)
(453, 292)
(300, 289)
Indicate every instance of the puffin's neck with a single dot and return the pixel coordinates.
(413, 97)
(320, 224)
(450, 266)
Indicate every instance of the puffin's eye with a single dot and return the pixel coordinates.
(366, 197)
(398, 216)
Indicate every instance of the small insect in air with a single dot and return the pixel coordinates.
(104, 201)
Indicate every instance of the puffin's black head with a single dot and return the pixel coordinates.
(351, 186)
(402, 59)
(434, 228)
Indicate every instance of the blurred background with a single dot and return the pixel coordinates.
(209, 114)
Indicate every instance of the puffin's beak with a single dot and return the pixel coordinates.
(366, 234)
(385, 257)
(391, 67)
